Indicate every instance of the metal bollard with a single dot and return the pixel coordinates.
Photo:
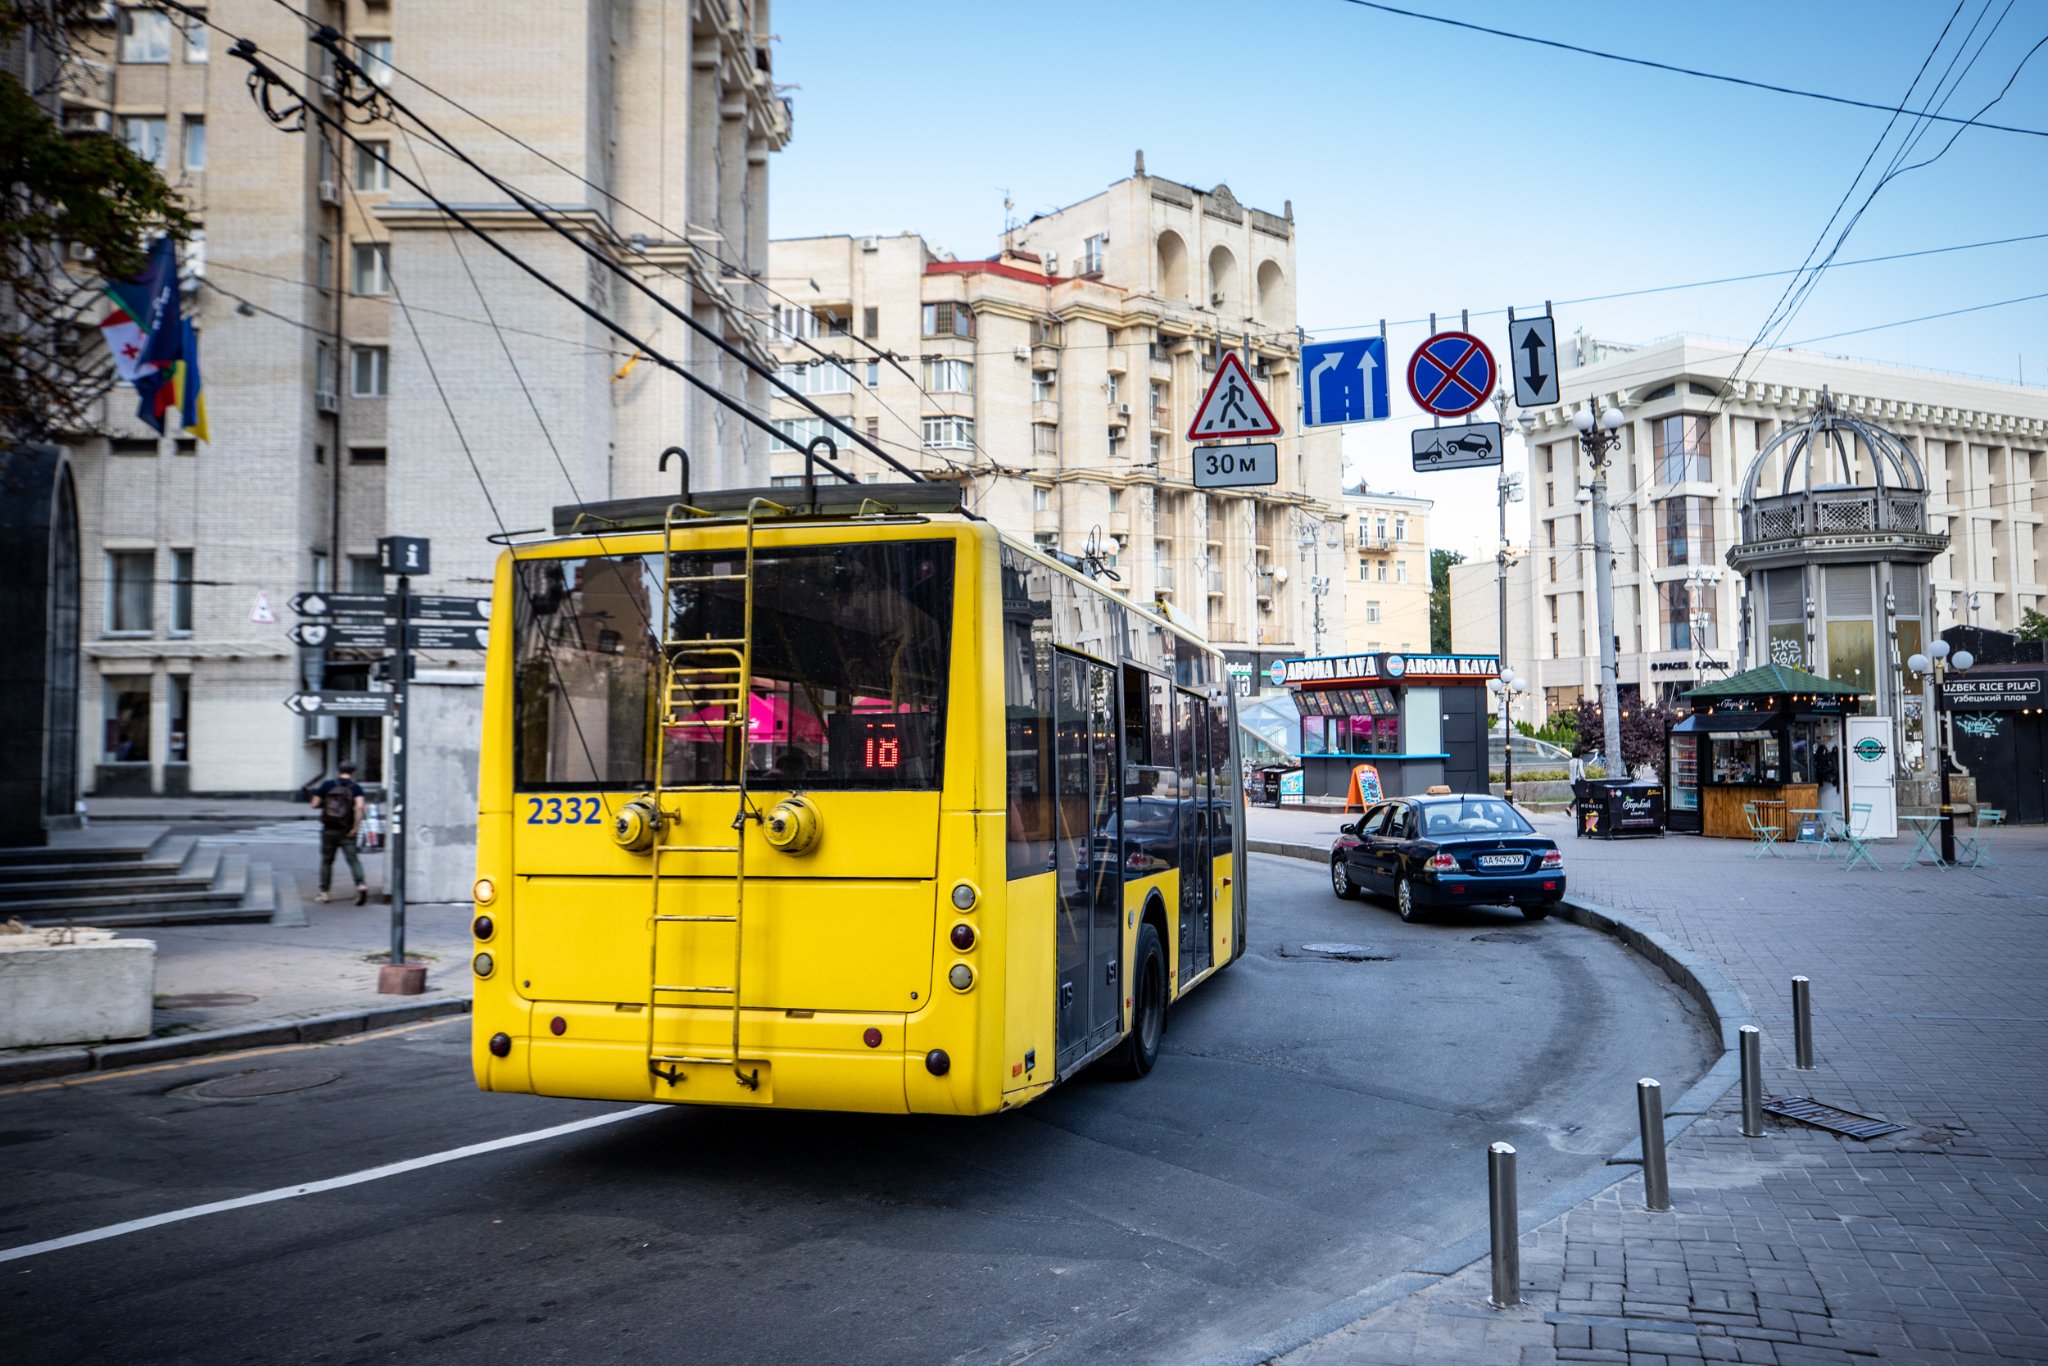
(1507, 1232)
(1656, 1177)
(1802, 1024)
(1752, 1082)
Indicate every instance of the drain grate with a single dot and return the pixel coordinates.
(1347, 953)
(1503, 937)
(273, 1081)
(1833, 1118)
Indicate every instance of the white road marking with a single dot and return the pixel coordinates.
(317, 1187)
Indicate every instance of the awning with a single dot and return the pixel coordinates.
(1771, 680)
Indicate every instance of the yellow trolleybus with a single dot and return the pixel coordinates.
(838, 799)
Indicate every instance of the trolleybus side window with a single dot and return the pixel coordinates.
(851, 646)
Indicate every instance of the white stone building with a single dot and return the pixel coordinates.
(1057, 381)
(1387, 599)
(1675, 485)
(360, 352)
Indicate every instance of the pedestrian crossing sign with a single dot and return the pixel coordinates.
(1233, 406)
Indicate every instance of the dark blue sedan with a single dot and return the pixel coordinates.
(1448, 851)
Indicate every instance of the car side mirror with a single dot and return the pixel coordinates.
(1348, 828)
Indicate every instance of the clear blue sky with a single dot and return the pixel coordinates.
(1433, 169)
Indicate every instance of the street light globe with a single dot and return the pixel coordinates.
(1919, 664)
(1612, 419)
(1520, 686)
(1280, 574)
(1963, 660)
(1493, 685)
(1110, 546)
(1583, 420)
(1939, 649)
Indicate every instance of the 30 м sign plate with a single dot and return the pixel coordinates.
(1227, 467)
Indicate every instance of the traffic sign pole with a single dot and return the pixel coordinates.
(402, 666)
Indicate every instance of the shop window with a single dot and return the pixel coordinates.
(180, 698)
(125, 732)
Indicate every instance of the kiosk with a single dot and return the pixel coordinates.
(1418, 720)
(1769, 738)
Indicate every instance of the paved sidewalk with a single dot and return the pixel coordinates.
(1931, 1011)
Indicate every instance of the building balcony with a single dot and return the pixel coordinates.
(1161, 420)
(1119, 414)
(1045, 519)
(1045, 410)
(1267, 586)
(1117, 360)
(1835, 524)
(1045, 357)
(1215, 583)
(1118, 525)
(1162, 578)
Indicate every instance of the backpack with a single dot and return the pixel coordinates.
(338, 805)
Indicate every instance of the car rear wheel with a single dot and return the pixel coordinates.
(1404, 899)
(1340, 880)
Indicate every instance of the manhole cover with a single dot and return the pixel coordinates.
(1502, 937)
(273, 1081)
(1833, 1118)
(1347, 953)
(200, 999)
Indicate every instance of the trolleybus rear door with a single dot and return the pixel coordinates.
(1191, 734)
(1087, 853)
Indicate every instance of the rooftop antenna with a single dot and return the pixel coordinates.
(1009, 218)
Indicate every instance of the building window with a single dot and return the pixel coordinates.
(1156, 448)
(816, 377)
(373, 166)
(323, 265)
(195, 41)
(1365, 571)
(1684, 449)
(1045, 440)
(871, 323)
(798, 432)
(1676, 599)
(370, 268)
(1372, 614)
(1041, 500)
(1400, 528)
(145, 36)
(1045, 541)
(181, 592)
(795, 323)
(948, 434)
(1044, 332)
(1116, 442)
(373, 55)
(366, 455)
(180, 696)
(195, 143)
(131, 590)
(364, 574)
(1685, 531)
(949, 376)
(874, 429)
(1116, 499)
(1382, 565)
(1041, 386)
(948, 320)
(1091, 253)
(1400, 571)
(126, 733)
(369, 371)
(145, 137)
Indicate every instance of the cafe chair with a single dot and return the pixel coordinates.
(1855, 834)
(1975, 845)
(1763, 832)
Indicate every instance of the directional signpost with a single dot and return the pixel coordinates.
(1227, 467)
(340, 703)
(1455, 448)
(1451, 374)
(1344, 381)
(1532, 354)
(357, 633)
(433, 635)
(340, 604)
(426, 607)
(1233, 406)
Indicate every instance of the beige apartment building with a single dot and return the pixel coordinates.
(372, 370)
(1675, 486)
(1056, 381)
(1387, 603)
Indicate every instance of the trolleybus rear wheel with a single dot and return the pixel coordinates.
(1148, 996)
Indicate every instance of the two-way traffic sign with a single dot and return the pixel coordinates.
(350, 633)
(340, 703)
(1532, 355)
(1233, 406)
(433, 635)
(339, 604)
(1344, 381)
(1455, 448)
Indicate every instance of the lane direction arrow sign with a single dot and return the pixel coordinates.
(339, 604)
(346, 634)
(340, 703)
(436, 636)
(1451, 374)
(1532, 354)
(1227, 467)
(1233, 406)
(426, 607)
(1344, 381)
(1455, 448)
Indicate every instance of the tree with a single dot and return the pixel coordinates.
(1440, 562)
(1643, 728)
(70, 195)
(2033, 626)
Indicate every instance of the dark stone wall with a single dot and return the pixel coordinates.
(39, 611)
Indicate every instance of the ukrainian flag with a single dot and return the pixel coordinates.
(187, 388)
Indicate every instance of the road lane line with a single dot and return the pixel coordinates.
(412, 1164)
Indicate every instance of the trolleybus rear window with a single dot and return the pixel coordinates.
(851, 647)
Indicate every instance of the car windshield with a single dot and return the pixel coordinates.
(1148, 817)
(1473, 816)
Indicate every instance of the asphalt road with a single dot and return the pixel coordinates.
(1313, 1126)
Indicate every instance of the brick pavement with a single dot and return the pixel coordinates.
(1800, 1247)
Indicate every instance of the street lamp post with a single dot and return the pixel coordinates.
(1704, 581)
(1507, 686)
(1941, 664)
(1598, 438)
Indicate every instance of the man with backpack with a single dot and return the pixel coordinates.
(340, 803)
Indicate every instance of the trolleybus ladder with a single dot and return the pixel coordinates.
(705, 684)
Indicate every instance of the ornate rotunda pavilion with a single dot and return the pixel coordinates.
(1834, 552)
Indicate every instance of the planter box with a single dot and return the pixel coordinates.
(96, 987)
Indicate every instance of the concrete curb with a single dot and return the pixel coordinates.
(314, 1029)
(1697, 978)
